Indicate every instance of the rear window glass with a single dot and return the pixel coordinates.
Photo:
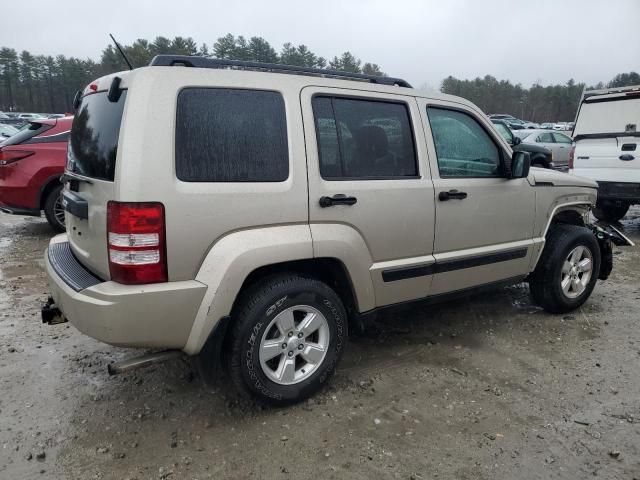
(27, 133)
(231, 135)
(93, 144)
(619, 115)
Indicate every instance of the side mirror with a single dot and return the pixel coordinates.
(520, 164)
(517, 140)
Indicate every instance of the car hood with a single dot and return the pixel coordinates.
(560, 179)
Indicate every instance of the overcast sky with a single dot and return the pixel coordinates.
(526, 41)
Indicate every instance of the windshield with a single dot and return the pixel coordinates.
(617, 115)
(504, 131)
(29, 131)
(522, 134)
(93, 144)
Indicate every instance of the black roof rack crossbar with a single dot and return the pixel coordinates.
(204, 62)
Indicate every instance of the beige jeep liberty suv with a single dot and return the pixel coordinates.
(252, 212)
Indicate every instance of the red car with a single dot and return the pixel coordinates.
(31, 163)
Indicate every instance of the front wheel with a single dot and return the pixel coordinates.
(610, 212)
(54, 210)
(567, 269)
(287, 337)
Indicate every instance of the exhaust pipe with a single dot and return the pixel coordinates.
(143, 361)
(51, 315)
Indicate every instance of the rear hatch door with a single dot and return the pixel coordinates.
(607, 138)
(91, 165)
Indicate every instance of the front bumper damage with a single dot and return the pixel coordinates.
(607, 235)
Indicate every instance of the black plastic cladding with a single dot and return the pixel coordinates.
(204, 62)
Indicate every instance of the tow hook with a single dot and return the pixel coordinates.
(51, 315)
(607, 235)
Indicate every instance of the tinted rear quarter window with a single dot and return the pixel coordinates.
(93, 144)
(231, 135)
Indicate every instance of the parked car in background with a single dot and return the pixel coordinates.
(558, 143)
(561, 126)
(30, 116)
(546, 126)
(501, 116)
(7, 119)
(7, 131)
(31, 163)
(540, 156)
(514, 123)
(607, 148)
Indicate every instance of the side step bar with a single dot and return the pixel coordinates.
(143, 361)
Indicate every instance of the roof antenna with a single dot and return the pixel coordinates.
(121, 52)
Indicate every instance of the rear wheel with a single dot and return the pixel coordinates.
(53, 209)
(610, 212)
(287, 336)
(567, 270)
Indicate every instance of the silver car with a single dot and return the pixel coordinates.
(558, 143)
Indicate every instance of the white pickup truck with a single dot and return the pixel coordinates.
(606, 148)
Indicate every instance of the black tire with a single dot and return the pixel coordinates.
(51, 206)
(545, 281)
(255, 310)
(609, 212)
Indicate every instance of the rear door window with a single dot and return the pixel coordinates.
(545, 138)
(560, 138)
(364, 139)
(93, 144)
(231, 135)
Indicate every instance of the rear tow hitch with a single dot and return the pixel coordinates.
(143, 361)
(51, 315)
(606, 235)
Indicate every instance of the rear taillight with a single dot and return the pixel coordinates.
(136, 242)
(572, 152)
(10, 156)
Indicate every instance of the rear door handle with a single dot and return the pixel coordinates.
(339, 199)
(452, 194)
(626, 157)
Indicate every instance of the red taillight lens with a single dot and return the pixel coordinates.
(10, 156)
(136, 242)
(571, 155)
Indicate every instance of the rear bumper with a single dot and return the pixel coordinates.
(155, 315)
(619, 191)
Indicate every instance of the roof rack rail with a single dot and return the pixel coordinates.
(205, 62)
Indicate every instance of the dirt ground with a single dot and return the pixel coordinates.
(490, 387)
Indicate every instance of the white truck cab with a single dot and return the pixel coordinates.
(606, 148)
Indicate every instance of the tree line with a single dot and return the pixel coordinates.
(539, 103)
(44, 83)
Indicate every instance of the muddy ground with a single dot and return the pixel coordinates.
(490, 387)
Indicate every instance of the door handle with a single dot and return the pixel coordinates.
(455, 194)
(626, 157)
(339, 199)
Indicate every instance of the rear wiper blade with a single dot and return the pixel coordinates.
(69, 176)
